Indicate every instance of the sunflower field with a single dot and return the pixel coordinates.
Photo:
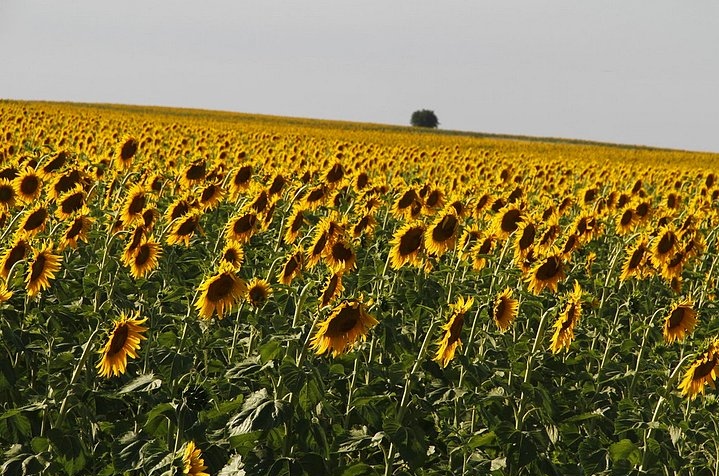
(191, 292)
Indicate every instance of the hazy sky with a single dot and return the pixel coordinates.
(628, 71)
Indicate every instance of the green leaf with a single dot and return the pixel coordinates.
(40, 444)
(269, 351)
(624, 450)
(142, 383)
(155, 424)
(591, 455)
(294, 377)
(234, 467)
(480, 441)
(359, 469)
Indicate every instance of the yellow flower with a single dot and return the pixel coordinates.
(41, 270)
(192, 461)
(219, 293)
(125, 152)
(546, 274)
(442, 234)
(124, 341)
(348, 323)
(291, 268)
(28, 186)
(681, 320)
(144, 258)
(258, 290)
(505, 310)
(407, 243)
(564, 327)
(702, 371)
(452, 330)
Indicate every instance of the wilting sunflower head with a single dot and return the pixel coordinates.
(505, 310)
(407, 243)
(123, 341)
(258, 291)
(546, 273)
(42, 269)
(220, 293)
(682, 320)
(441, 235)
(702, 371)
(450, 340)
(192, 462)
(348, 323)
(125, 152)
(333, 288)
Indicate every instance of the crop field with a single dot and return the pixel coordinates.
(193, 292)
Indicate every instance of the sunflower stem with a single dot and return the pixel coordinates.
(641, 351)
(75, 375)
(519, 419)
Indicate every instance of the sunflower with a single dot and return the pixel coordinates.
(663, 246)
(407, 243)
(526, 232)
(507, 221)
(242, 227)
(681, 320)
(240, 181)
(452, 330)
(294, 224)
(340, 257)
(55, 164)
(219, 293)
(184, 229)
(193, 173)
(71, 203)
(135, 239)
(210, 196)
(5, 293)
(481, 250)
(550, 234)
(278, 183)
(317, 250)
(333, 288)
(149, 218)
(144, 258)
(125, 152)
(261, 201)
(365, 226)
(124, 341)
(546, 273)
(66, 182)
(258, 291)
(636, 258)
(233, 254)
(41, 270)
(28, 186)
(626, 221)
(316, 197)
(673, 268)
(564, 327)
(291, 268)
(586, 227)
(702, 371)
(179, 208)
(15, 253)
(34, 221)
(505, 310)
(434, 201)
(134, 204)
(407, 205)
(347, 323)
(77, 231)
(192, 461)
(7, 195)
(442, 234)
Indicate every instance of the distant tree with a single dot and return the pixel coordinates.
(424, 118)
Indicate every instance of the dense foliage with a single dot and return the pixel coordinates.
(206, 292)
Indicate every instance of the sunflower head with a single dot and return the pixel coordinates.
(450, 340)
(703, 370)
(125, 152)
(348, 323)
(407, 243)
(42, 269)
(123, 341)
(258, 291)
(682, 320)
(219, 293)
(505, 310)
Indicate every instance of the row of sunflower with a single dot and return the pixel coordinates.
(217, 232)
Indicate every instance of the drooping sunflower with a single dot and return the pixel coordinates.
(681, 321)
(505, 310)
(42, 269)
(219, 293)
(242, 227)
(134, 204)
(149, 218)
(192, 462)
(179, 208)
(77, 231)
(546, 273)
(193, 173)
(184, 229)
(481, 250)
(663, 246)
(316, 197)
(333, 288)
(507, 221)
(340, 257)
(28, 186)
(145, 258)
(258, 291)
(125, 152)
(702, 371)
(434, 200)
(17, 252)
(526, 232)
(71, 203)
(564, 327)
(348, 323)
(407, 243)
(450, 340)
(406, 204)
(7, 195)
(123, 342)
(233, 254)
(365, 226)
(240, 181)
(636, 257)
(210, 196)
(292, 267)
(34, 221)
(294, 224)
(672, 268)
(442, 234)
(317, 250)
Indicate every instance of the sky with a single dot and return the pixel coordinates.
(624, 71)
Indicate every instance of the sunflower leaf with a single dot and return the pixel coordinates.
(142, 383)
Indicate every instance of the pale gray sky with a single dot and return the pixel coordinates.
(628, 71)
